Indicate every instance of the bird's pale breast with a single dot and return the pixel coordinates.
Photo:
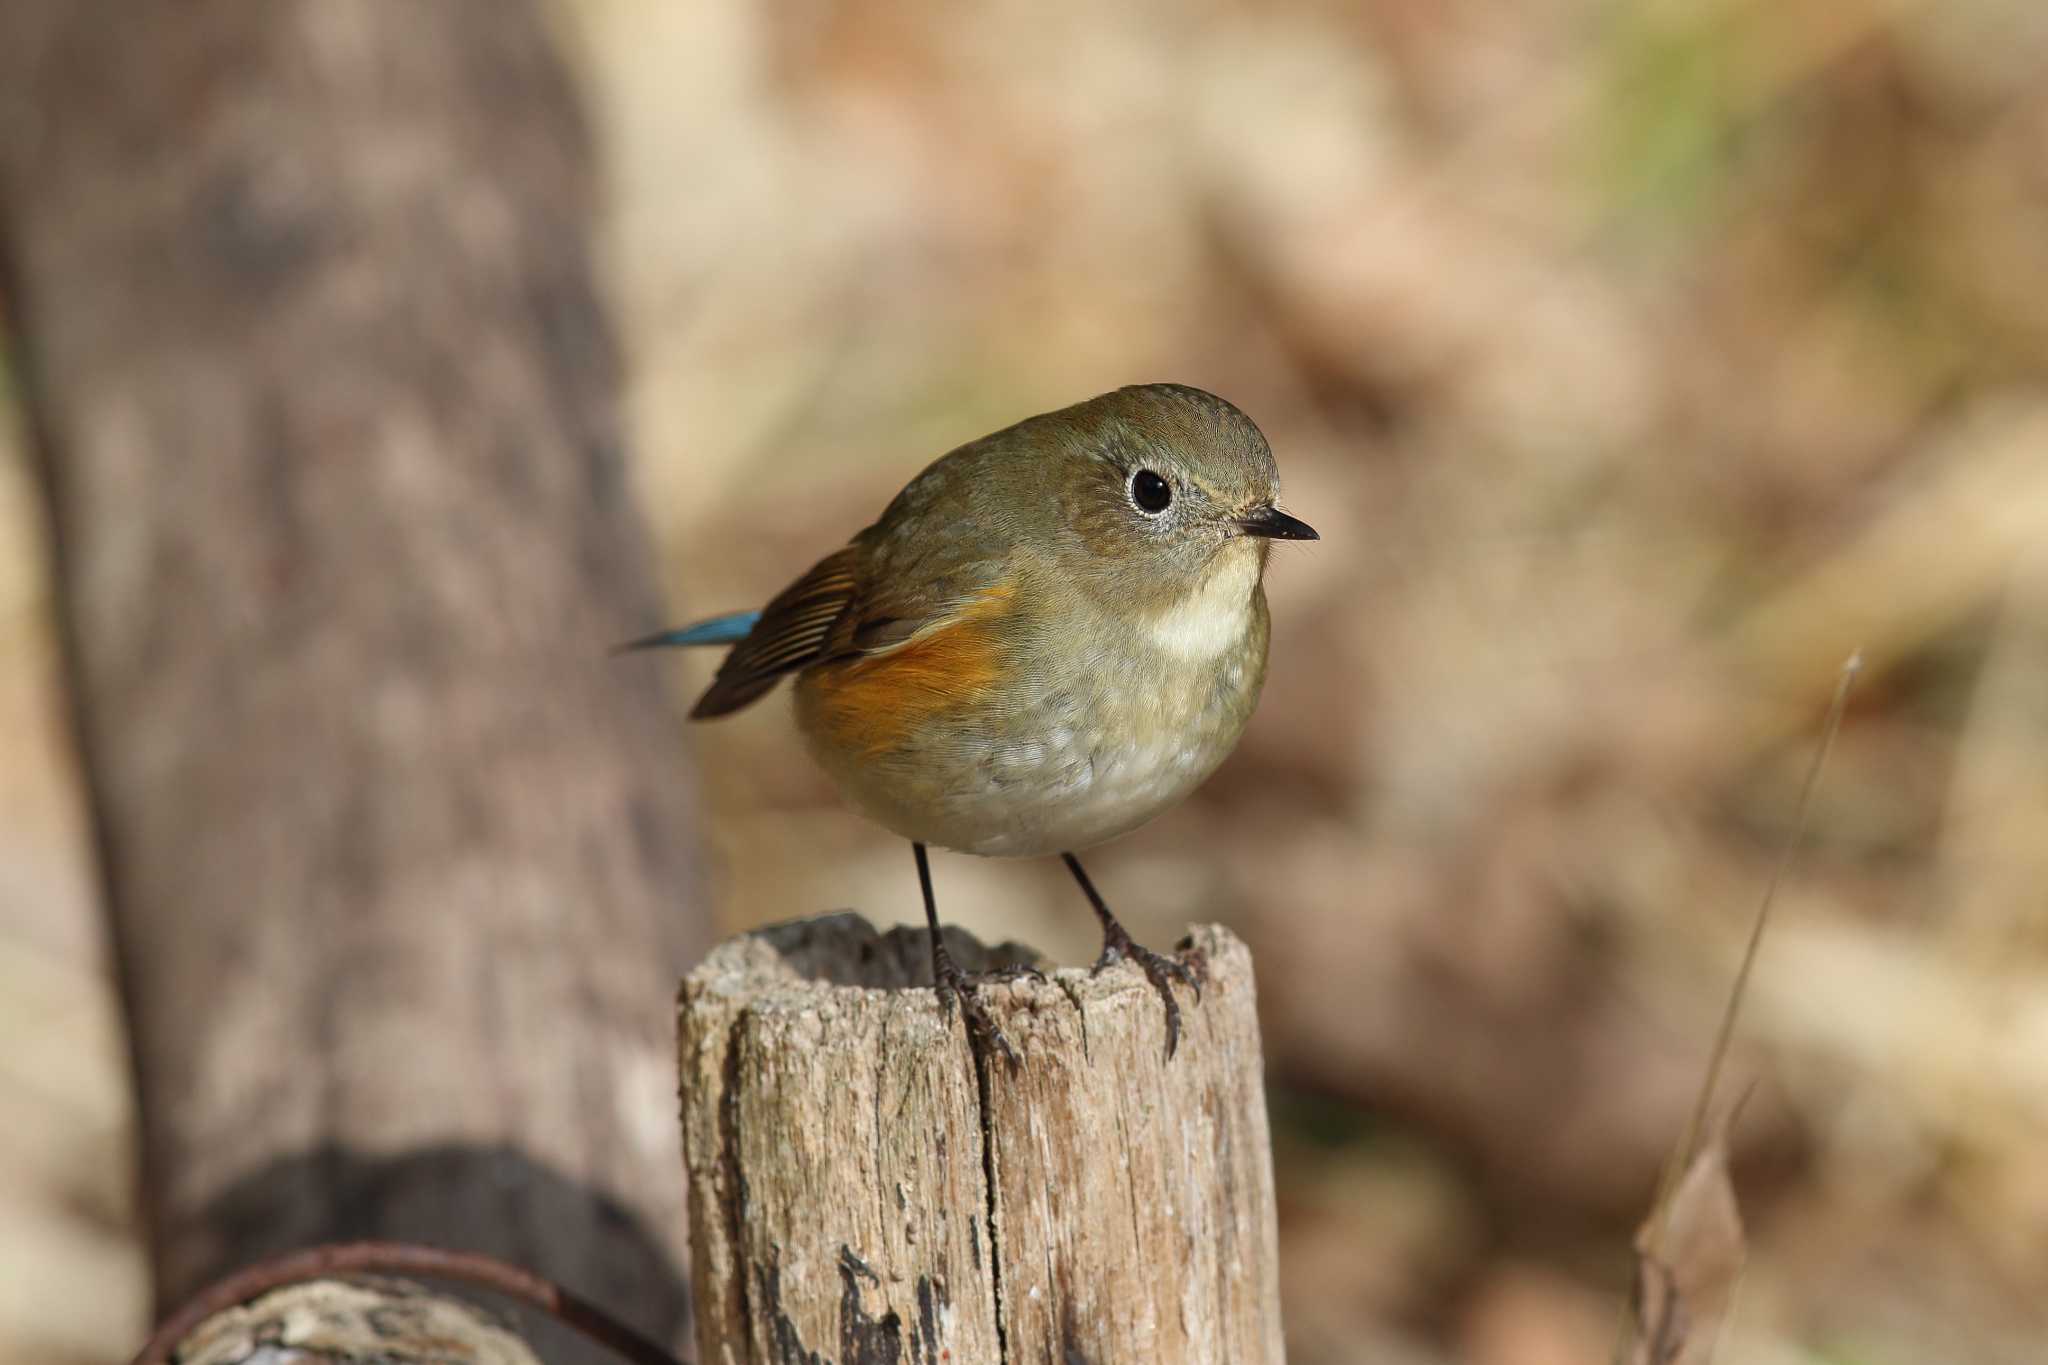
(1030, 726)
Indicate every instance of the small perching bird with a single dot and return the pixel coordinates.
(1051, 635)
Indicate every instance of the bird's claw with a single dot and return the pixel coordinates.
(956, 987)
(1160, 969)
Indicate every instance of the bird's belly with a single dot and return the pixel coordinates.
(1022, 777)
(1052, 796)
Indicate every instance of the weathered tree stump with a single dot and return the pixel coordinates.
(865, 1188)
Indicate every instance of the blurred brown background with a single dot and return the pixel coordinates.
(1636, 364)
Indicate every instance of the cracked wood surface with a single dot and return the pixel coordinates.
(864, 1189)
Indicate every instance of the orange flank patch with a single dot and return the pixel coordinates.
(874, 704)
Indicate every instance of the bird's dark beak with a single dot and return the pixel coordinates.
(1274, 524)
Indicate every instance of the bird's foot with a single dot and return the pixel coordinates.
(964, 988)
(1012, 971)
(1160, 969)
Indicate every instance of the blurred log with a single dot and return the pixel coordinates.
(327, 407)
(863, 1186)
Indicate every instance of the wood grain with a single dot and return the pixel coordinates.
(863, 1187)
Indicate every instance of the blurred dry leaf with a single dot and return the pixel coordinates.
(1689, 1256)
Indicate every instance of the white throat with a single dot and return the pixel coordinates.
(1215, 615)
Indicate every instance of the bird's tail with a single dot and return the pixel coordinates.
(719, 630)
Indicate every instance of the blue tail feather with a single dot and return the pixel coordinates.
(719, 630)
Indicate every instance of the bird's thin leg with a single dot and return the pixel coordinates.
(952, 983)
(1117, 944)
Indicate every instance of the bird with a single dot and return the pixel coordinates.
(1051, 635)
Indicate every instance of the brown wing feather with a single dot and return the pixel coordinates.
(795, 630)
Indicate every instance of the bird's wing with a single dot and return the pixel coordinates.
(875, 595)
(795, 629)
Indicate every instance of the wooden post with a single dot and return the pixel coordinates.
(864, 1188)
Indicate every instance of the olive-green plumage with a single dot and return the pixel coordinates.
(1050, 635)
(1018, 658)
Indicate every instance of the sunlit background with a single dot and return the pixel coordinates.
(1636, 362)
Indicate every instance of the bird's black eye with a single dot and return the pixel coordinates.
(1152, 493)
